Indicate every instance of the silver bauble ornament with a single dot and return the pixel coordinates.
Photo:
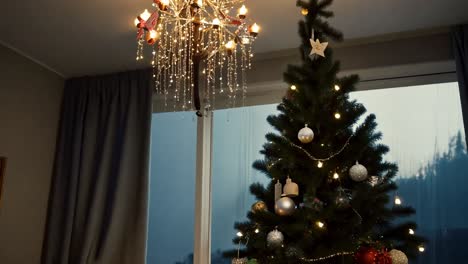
(275, 239)
(291, 189)
(398, 257)
(285, 206)
(358, 172)
(259, 207)
(239, 261)
(305, 135)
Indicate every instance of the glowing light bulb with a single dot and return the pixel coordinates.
(421, 249)
(216, 22)
(200, 3)
(336, 176)
(293, 87)
(165, 2)
(397, 200)
(337, 115)
(145, 15)
(239, 234)
(304, 11)
(136, 22)
(153, 34)
(245, 40)
(320, 164)
(243, 12)
(320, 224)
(254, 29)
(411, 231)
(257, 231)
(337, 88)
(230, 45)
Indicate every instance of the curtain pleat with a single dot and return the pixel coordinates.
(99, 194)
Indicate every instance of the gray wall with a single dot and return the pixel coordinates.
(394, 60)
(30, 99)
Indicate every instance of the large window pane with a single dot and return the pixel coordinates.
(423, 127)
(172, 188)
(238, 135)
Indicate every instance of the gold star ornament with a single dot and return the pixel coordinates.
(317, 47)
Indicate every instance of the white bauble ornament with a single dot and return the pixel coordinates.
(239, 261)
(305, 135)
(285, 206)
(398, 257)
(358, 172)
(291, 189)
(275, 239)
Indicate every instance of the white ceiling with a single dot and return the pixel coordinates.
(88, 37)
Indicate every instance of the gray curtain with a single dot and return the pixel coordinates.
(99, 195)
(460, 48)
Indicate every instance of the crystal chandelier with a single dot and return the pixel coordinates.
(200, 50)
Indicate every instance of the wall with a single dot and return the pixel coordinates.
(393, 60)
(30, 99)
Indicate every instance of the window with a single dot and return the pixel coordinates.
(238, 135)
(172, 188)
(422, 125)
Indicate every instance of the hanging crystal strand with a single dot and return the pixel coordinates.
(190, 62)
(207, 90)
(236, 83)
(140, 47)
(182, 50)
(244, 75)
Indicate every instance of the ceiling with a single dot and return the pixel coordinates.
(89, 37)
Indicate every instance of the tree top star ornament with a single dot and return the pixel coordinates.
(317, 47)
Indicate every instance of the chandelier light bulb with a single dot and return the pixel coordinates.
(216, 22)
(337, 88)
(421, 249)
(145, 15)
(304, 11)
(230, 45)
(243, 12)
(293, 87)
(257, 231)
(163, 4)
(254, 29)
(137, 22)
(337, 115)
(411, 231)
(320, 224)
(152, 36)
(199, 3)
(239, 234)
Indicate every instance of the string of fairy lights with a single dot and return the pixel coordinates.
(335, 176)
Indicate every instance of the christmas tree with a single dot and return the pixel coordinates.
(339, 202)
